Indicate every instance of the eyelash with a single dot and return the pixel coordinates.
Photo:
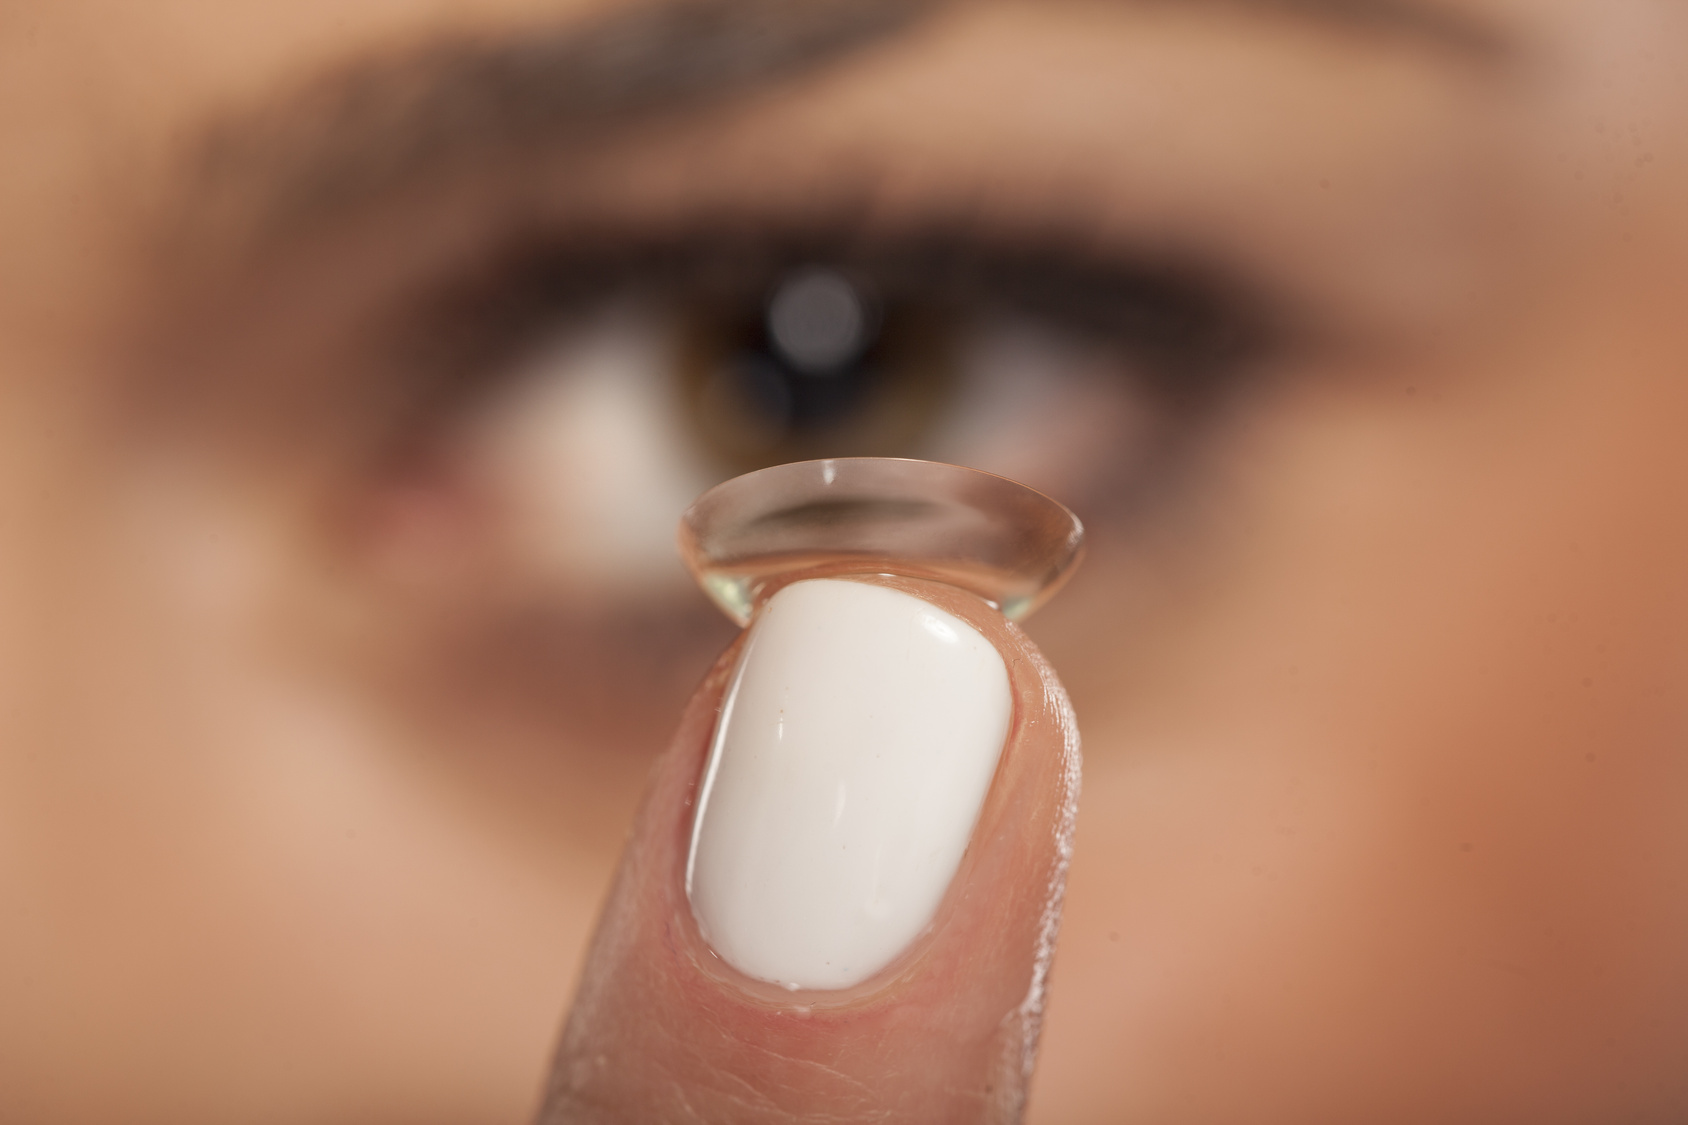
(1186, 331)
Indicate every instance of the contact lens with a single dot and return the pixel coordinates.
(1009, 544)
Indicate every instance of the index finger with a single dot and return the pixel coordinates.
(666, 1028)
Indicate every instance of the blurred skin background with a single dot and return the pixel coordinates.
(356, 360)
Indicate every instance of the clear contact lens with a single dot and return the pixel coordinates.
(1007, 543)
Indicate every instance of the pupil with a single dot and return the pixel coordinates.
(817, 322)
(806, 368)
(812, 366)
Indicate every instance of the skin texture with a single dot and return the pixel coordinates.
(316, 763)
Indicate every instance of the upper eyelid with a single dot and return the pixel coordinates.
(1172, 308)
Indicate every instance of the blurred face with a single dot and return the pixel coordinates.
(357, 360)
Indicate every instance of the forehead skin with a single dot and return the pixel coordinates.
(1384, 714)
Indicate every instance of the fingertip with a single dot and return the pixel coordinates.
(723, 1000)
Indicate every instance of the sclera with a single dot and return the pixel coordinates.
(994, 537)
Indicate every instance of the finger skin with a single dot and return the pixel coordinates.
(663, 1030)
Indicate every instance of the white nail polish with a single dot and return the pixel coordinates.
(855, 746)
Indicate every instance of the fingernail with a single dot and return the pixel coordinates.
(856, 743)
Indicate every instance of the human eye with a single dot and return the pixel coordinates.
(602, 391)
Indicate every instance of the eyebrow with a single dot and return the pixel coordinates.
(1440, 28)
(354, 134)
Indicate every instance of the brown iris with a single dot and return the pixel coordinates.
(815, 364)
